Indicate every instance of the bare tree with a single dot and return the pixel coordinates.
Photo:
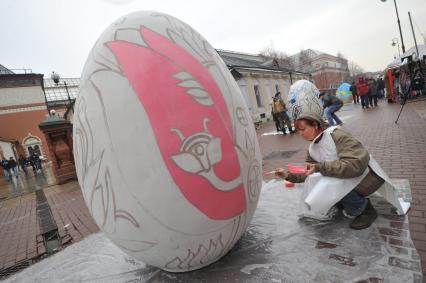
(282, 58)
(269, 51)
(286, 62)
(355, 69)
(305, 61)
(342, 60)
(340, 55)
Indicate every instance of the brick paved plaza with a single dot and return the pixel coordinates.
(400, 149)
(21, 242)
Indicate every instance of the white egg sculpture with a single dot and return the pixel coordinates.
(165, 149)
(304, 98)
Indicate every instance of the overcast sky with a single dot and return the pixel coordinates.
(47, 35)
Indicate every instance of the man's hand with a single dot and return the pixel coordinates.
(310, 168)
(280, 172)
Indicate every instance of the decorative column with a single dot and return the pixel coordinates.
(58, 133)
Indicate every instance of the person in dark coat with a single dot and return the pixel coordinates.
(380, 88)
(6, 169)
(333, 104)
(35, 162)
(354, 93)
(23, 162)
(13, 166)
(372, 94)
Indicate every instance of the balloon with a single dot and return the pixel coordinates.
(344, 93)
(165, 149)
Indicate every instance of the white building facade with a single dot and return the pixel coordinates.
(260, 80)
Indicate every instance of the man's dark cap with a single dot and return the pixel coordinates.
(321, 94)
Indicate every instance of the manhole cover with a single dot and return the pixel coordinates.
(280, 154)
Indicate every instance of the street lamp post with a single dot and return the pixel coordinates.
(56, 77)
(414, 36)
(395, 42)
(399, 26)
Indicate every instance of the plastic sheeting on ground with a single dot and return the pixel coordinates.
(277, 247)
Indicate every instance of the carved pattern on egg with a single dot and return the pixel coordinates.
(165, 151)
(304, 98)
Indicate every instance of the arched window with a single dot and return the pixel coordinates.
(32, 144)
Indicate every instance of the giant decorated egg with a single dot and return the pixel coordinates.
(165, 149)
(304, 98)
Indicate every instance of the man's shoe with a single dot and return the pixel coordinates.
(365, 219)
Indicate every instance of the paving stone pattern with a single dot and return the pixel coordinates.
(68, 207)
(21, 239)
(18, 231)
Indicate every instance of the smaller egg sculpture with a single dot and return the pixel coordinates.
(304, 98)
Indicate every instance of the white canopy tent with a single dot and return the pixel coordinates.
(410, 52)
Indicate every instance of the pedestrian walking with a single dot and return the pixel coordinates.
(35, 162)
(13, 166)
(6, 169)
(380, 88)
(331, 105)
(354, 93)
(362, 91)
(23, 162)
(280, 110)
(372, 92)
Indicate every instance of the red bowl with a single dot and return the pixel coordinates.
(288, 184)
(297, 168)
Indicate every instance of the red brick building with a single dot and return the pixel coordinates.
(327, 71)
(22, 108)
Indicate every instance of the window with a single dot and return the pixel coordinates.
(257, 94)
(32, 144)
(243, 87)
(269, 89)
